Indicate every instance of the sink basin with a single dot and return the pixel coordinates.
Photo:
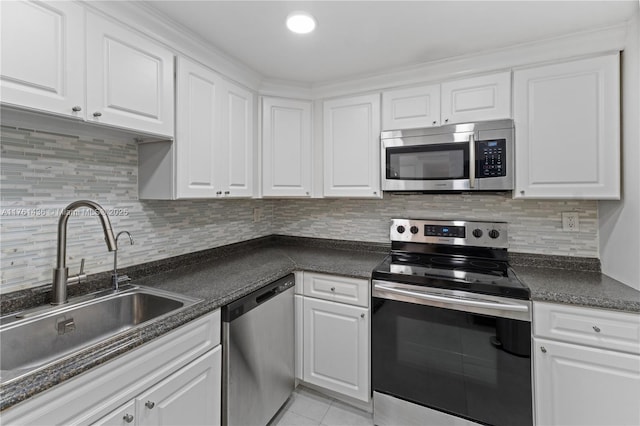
(36, 338)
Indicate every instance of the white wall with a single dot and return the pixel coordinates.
(619, 221)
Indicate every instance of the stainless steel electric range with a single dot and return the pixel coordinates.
(451, 328)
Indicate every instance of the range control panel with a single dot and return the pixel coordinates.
(450, 232)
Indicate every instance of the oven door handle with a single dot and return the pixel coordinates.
(519, 311)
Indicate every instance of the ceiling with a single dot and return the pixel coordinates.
(354, 38)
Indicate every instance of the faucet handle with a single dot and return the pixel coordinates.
(81, 275)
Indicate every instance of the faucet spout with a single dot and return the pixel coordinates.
(61, 272)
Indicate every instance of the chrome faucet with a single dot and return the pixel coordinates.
(115, 279)
(61, 273)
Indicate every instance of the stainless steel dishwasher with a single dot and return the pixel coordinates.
(258, 354)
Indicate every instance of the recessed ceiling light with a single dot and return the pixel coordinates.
(301, 22)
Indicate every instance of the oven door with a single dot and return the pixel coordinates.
(459, 353)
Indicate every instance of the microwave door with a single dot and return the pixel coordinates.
(433, 167)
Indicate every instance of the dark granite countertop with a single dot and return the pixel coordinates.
(221, 275)
(578, 287)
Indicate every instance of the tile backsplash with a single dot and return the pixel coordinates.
(535, 226)
(40, 173)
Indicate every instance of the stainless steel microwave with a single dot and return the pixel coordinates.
(458, 157)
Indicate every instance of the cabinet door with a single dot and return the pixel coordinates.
(579, 385)
(476, 99)
(197, 131)
(411, 108)
(336, 347)
(286, 147)
(567, 124)
(352, 147)
(237, 142)
(43, 56)
(190, 396)
(124, 415)
(129, 79)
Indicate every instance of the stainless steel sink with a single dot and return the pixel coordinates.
(36, 338)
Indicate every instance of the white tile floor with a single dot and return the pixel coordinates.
(309, 408)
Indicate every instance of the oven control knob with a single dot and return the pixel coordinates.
(494, 234)
(400, 229)
(477, 233)
(414, 229)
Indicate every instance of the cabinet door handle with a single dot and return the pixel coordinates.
(434, 122)
(596, 329)
(97, 114)
(76, 108)
(127, 418)
(361, 315)
(226, 192)
(446, 120)
(149, 404)
(543, 349)
(333, 289)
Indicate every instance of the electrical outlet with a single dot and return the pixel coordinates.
(570, 221)
(257, 214)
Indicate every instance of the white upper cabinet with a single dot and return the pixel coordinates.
(567, 124)
(352, 147)
(43, 56)
(476, 99)
(286, 148)
(237, 141)
(411, 108)
(129, 79)
(199, 117)
(212, 156)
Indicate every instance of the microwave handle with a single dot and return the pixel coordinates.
(472, 162)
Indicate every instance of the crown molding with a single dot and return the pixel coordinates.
(146, 20)
(286, 89)
(561, 48)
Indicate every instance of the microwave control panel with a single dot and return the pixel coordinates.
(491, 158)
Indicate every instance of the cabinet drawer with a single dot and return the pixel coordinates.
(601, 328)
(354, 291)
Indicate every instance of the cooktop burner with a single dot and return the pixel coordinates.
(462, 262)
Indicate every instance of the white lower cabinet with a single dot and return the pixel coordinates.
(177, 400)
(173, 380)
(335, 348)
(581, 377)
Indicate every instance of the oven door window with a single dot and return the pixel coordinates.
(428, 162)
(472, 366)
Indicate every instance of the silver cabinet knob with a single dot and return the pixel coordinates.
(361, 315)
(97, 114)
(446, 120)
(127, 418)
(434, 122)
(596, 329)
(521, 192)
(227, 192)
(149, 404)
(375, 192)
(76, 108)
(218, 192)
(333, 289)
(543, 349)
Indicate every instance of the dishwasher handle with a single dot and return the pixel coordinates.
(266, 295)
(245, 304)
